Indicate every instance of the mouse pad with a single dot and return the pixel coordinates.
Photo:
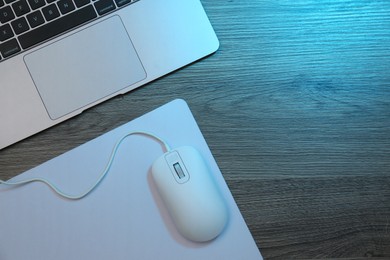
(124, 217)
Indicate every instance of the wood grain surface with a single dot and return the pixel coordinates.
(295, 106)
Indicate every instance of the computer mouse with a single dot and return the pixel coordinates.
(190, 194)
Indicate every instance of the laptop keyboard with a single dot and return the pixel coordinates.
(26, 23)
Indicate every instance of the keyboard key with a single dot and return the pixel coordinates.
(9, 48)
(20, 25)
(6, 14)
(56, 27)
(104, 6)
(9, 1)
(65, 6)
(80, 3)
(35, 19)
(50, 12)
(1, 3)
(122, 2)
(5, 32)
(35, 4)
(20, 7)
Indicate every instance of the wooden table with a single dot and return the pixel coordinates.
(295, 107)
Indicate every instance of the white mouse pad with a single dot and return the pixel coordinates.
(124, 217)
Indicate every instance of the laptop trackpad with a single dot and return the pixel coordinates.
(85, 67)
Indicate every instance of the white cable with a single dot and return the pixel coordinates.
(100, 178)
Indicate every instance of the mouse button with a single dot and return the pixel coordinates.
(161, 172)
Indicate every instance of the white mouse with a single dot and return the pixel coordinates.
(190, 194)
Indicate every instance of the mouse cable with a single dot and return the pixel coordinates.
(100, 178)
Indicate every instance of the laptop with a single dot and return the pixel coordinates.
(60, 57)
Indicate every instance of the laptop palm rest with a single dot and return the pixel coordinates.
(85, 67)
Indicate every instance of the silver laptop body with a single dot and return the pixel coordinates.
(116, 46)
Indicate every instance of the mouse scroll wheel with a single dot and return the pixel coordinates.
(177, 167)
(179, 170)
